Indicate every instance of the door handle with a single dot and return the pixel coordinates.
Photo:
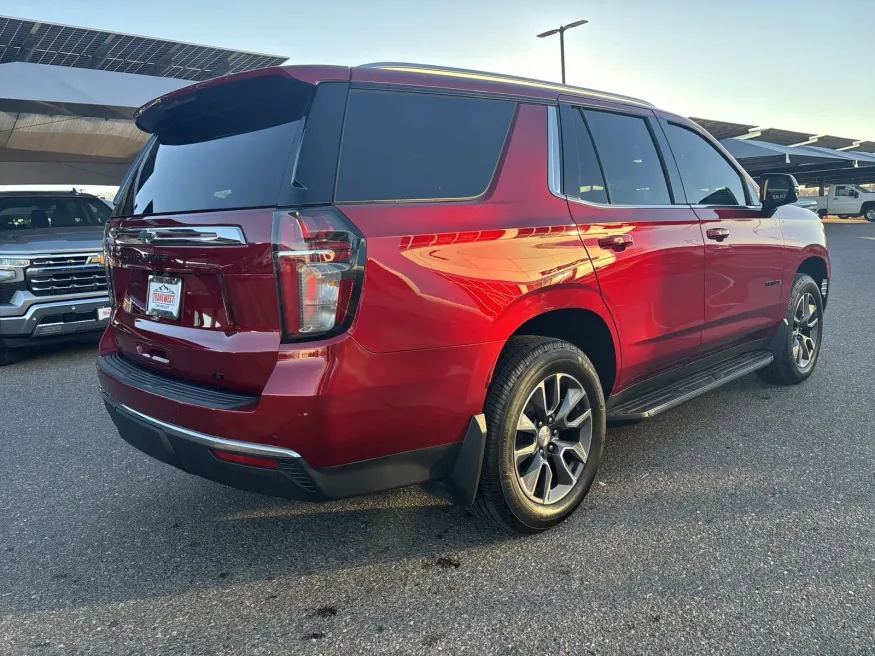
(717, 234)
(616, 242)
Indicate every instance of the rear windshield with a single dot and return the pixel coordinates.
(47, 213)
(222, 147)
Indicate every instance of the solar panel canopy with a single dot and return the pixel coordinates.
(65, 45)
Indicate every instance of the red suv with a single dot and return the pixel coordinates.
(332, 281)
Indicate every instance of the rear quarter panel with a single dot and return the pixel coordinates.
(447, 274)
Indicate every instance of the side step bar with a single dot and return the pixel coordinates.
(651, 402)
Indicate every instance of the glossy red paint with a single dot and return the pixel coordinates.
(653, 288)
(745, 294)
(461, 277)
(445, 285)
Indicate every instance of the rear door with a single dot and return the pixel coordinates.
(192, 239)
(744, 249)
(644, 242)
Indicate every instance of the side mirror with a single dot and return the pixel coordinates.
(856, 194)
(777, 189)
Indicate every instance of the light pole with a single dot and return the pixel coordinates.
(561, 32)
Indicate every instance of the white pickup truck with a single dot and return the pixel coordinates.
(846, 200)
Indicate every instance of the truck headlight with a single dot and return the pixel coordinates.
(6, 274)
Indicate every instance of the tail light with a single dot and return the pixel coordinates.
(320, 266)
(108, 243)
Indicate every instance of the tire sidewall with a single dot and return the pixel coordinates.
(569, 361)
(803, 285)
(869, 215)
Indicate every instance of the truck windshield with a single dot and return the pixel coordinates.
(51, 213)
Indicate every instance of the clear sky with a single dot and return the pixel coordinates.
(797, 64)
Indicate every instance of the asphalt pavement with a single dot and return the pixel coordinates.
(741, 522)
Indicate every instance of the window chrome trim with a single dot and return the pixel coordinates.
(181, 236)
(554, 152)
(609, 206)
(211, 441)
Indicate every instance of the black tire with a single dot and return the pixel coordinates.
(869, 213)
(785, 370)
(7, 355)
(527, 361)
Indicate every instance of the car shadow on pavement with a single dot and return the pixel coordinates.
(188, 535)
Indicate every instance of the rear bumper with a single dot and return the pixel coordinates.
(292, 476)
(54, 319)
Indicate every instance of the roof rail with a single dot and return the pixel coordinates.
(500, 77)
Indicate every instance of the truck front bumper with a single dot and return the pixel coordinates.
(54, 319)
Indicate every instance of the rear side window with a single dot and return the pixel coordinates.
(583, 174)
(632, 168)
(415, 146)
(222, 147)
(707, 177)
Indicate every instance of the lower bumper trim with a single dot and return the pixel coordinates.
(293, 478)
(247, 448)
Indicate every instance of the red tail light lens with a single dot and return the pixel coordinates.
(320, 266)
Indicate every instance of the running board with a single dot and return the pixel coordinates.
(651, 402)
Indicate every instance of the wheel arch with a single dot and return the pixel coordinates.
(816, 267)
(575, 314)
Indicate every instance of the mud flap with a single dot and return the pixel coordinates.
(465, 477)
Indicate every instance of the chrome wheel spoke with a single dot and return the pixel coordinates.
(529, 480)
(564, 475)
(526, 425)
(538, 401)
(520, 454)
(573, 397)
(575, 448)
(548, 482)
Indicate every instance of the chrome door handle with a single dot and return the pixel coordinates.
(717, 234)
(616, 242)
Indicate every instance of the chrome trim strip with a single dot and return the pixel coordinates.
(609, 206)
(37, 306)
(321, 251)
(554, 163)
(212, 441)
(181, 236)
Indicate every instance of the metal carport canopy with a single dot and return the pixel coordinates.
(809, 164)
(65, 125)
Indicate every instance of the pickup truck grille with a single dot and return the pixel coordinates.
(65, 274)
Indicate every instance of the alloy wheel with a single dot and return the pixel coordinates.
(870, 214)
(553, 439)
(806, 331)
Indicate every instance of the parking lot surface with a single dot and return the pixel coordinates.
(743, 521)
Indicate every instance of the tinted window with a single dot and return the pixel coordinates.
(45, 212)
(408, 146)
(226, 147)
(708, 178)
(582, 173)
(629, 159)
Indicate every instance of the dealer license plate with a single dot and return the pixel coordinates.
(164, 297)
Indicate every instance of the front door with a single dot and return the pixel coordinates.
(744, 295)
(647, 251)
(844, 201)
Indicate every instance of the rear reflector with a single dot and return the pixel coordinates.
(319, 264)
(242, 459)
